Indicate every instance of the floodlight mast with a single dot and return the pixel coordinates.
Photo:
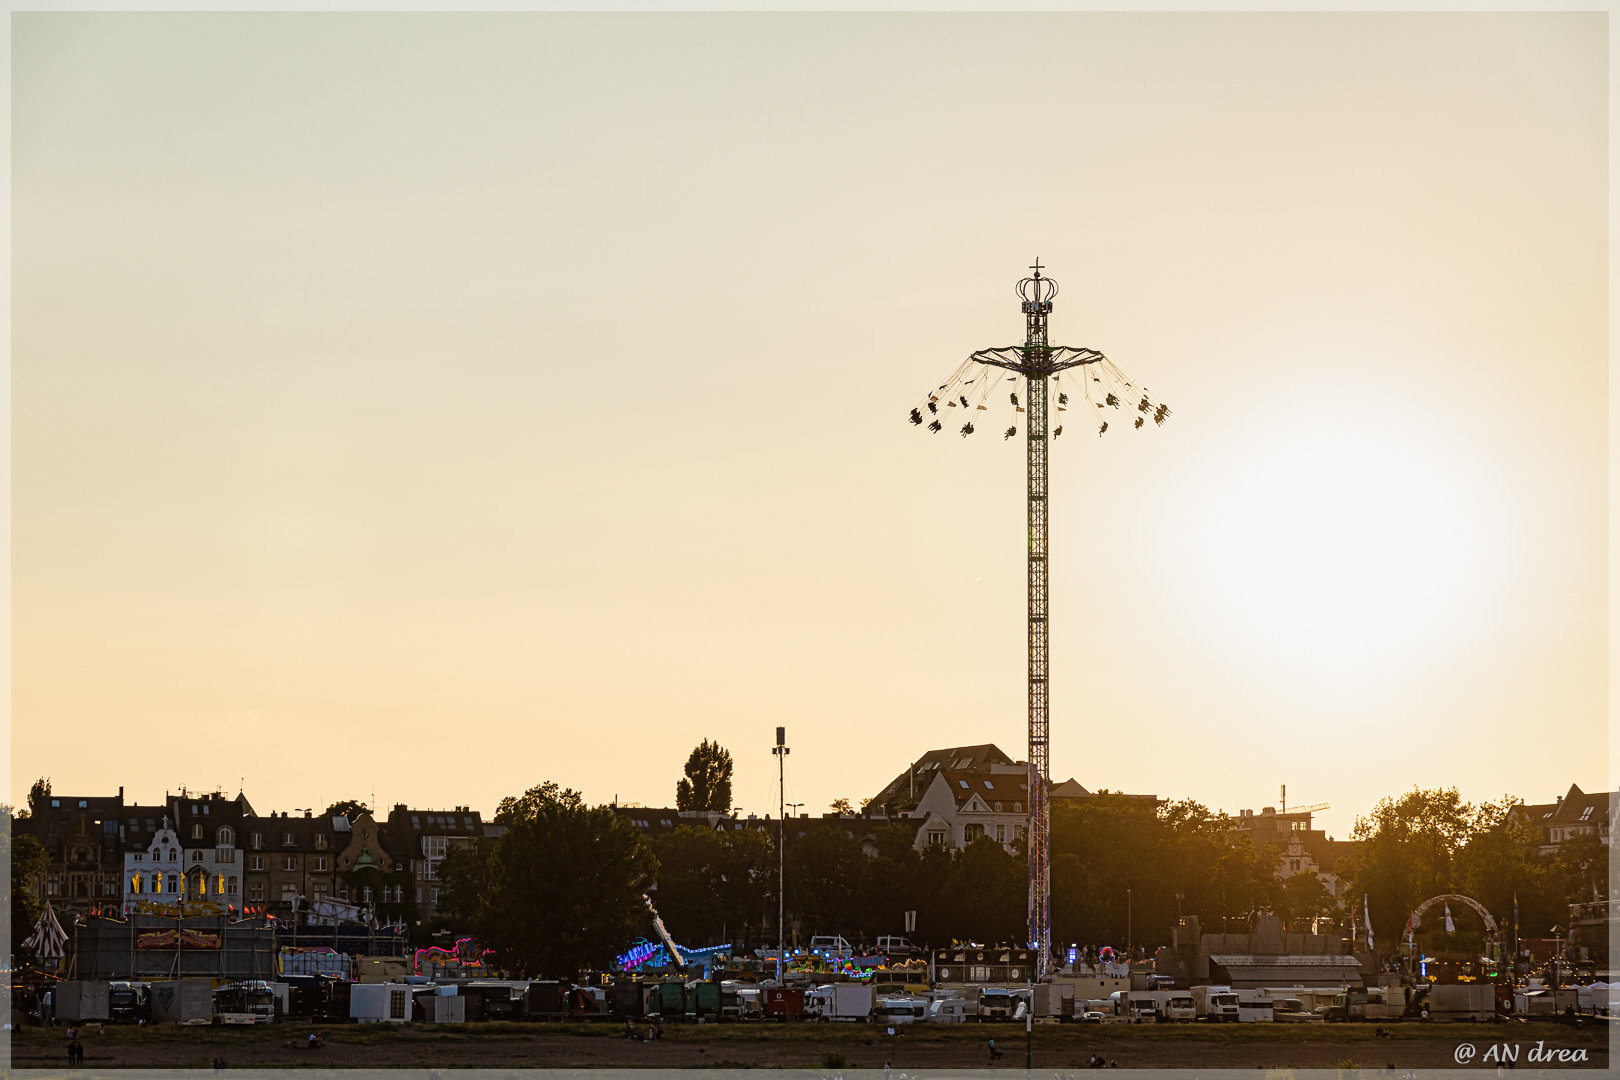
(1037, 362)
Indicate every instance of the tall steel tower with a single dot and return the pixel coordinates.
(1036, 368)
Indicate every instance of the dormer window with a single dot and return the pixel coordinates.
(963, 783)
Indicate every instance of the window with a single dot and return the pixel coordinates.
(972, 832)
(320, 840)
(196, 830)
(1018, 808)
(225, 837)
(396, 1004)
(140, 858)
(174, 883)
(320, 863)
(256, 890)
(1586, 813)
(963, 783)
(419, 894)
(56, 802)
(1001, 833)
(1294, 864)
(435, 897)
(109, 888)
(936, 836)
(289, 862)
(225, 855)
(51, 887)
(230, 886)
(289, 893)
(988, 786)
(196, 856)
(343, 890)
(258, 841)
(365, 895)
(83, 804)
(979, 973)
(288, 839)
(256, 863)
(319, 892)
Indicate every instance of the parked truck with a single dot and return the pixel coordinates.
(1215, 1003)
(995, 1003)
(1174, 1005)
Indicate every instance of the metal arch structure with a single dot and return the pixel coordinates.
(1415, 920)
(1038, 365)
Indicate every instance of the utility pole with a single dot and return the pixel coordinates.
(1035, 368)
(781, 752)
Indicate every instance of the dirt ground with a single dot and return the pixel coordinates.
(757, 1045)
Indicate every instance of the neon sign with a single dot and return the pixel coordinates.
(640, 952)
(454, 955)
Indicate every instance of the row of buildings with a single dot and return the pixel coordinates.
(210, 852)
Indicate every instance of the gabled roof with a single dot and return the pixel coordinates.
(904, 790)
(1575, 808)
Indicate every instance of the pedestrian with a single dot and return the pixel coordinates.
(994, 1053)
(886, 1072)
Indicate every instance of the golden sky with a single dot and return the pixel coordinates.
(431, 405)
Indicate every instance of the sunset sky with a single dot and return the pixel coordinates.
(430, 406)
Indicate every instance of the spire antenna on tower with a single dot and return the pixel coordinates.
(1105, 395)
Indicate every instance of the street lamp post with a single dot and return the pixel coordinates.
(1128, 949)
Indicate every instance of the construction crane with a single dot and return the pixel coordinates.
(1098, 390)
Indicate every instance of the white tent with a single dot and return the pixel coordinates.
(49, 940)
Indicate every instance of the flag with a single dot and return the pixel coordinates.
(1366, 912)
(1451, 927)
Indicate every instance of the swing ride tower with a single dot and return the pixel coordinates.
(1036, 368)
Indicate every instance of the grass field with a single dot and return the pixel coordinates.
(820, 1046)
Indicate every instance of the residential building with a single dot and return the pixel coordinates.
(958, 794)
(1575, 813)
(84, 854)
(419, 840)
(1300, 848)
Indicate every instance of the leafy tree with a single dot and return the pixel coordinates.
(841, 806)
(707, 784)
(825, 871)
(991, 888)
(563, 889)
(463, 884)
(38, 792)
(714, 886)
(28, 862)
(1303, 899)
(1414, 847)
(349, 808)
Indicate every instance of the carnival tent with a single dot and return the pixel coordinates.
(49, 940)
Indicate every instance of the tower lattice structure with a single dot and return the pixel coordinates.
(1036, 368)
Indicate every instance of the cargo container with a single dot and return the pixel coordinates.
(666, 1001)
(372, 1003)
(544, 1001)
(702, 1001)
(79, 1000)
(626, 1000)
(783, 1002)
(183, 1001)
